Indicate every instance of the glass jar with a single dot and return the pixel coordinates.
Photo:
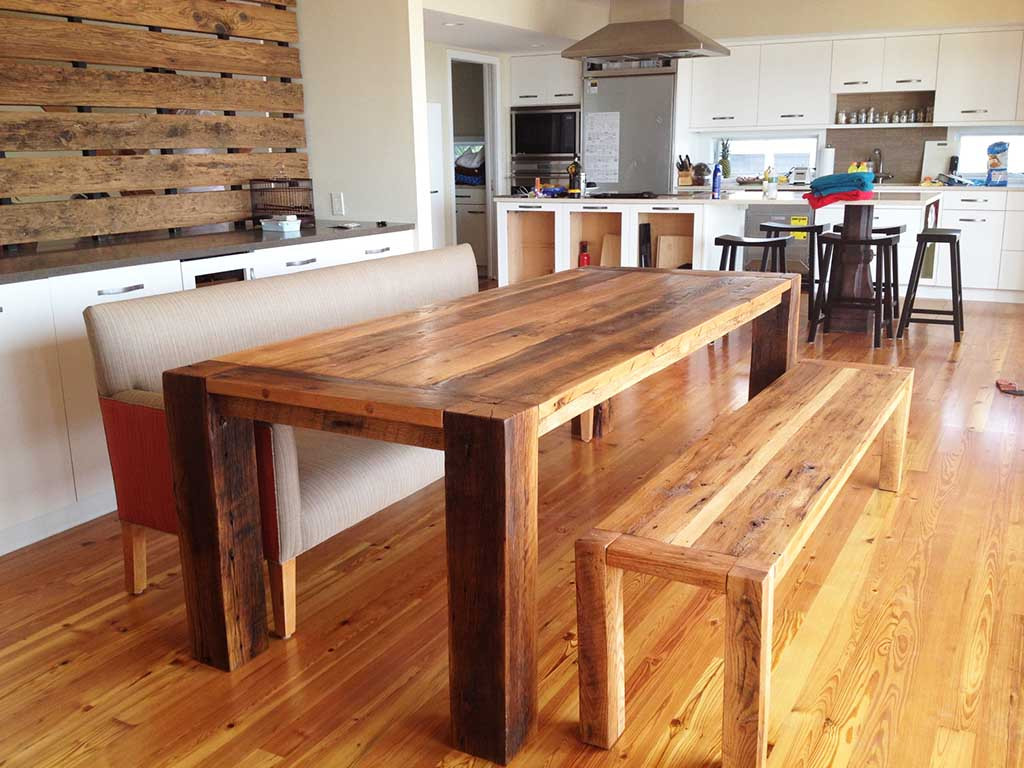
(862, 117)
(841, 117)
(912, 116)
(903, 116)
(929, 115)
(885, 117)
(872, 115)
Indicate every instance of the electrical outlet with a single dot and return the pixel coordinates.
(337, 204)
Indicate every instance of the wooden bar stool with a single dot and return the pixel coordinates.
(880, 304)
(773, 256)
(898, 230)
(950, 237)
(814, 253)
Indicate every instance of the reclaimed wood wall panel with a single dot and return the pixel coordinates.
(56, 175)
(44, 40)
(41, 131)
(31, 222)
(45, 85)
(212, 16)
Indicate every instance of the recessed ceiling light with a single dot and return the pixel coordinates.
(454, 24)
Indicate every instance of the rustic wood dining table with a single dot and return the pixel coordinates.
(481, 378)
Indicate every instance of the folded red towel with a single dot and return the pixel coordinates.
(838, 197)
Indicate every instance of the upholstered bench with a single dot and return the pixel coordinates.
(731, 514)
(312, 484)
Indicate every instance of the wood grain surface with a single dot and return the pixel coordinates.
(39, 84)
(45, 40)
(213, 16)
(899, 638)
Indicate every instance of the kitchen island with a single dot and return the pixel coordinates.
(538, 236)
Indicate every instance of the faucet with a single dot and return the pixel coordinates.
(879, 175)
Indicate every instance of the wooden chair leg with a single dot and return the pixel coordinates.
(911, 294)
(879, 290)
(749, 597)
(602, 665)
(282, 596)
(894, 444)
(722, 262)
(583, 426)
(133, 541)
(957, 293)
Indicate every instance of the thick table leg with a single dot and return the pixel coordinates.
(593, 422)
(214, 464)
(602, 668)
(748, 664)
(491, 524)
(774, 341)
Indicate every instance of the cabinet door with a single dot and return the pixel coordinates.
(1011, 271)
(527, 86)
(910, 63)
(725, 89)
(978, 76)
(857, 65)
(794, 84)
(564, 79)
(471, 226)
(70, 296)
(35, 473)
(981, 236)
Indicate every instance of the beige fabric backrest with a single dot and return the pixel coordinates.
(135, 341)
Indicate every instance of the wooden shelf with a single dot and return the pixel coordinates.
(531, 244)
(594, 227)
(674, 225)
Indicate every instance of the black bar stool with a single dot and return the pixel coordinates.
(828, 298)
(773, 256)
(814, 253)
(950, 237)
(897, 230)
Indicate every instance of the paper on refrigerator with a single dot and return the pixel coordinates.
(601, 139)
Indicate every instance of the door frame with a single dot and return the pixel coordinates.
(493, 141)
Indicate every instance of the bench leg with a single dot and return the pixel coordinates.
(601, 660)
(603, 418)
(133, 542)
(583, 426)
(894, 445)
(282, 596)
(748, 665)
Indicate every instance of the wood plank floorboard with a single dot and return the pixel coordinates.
(900, 633)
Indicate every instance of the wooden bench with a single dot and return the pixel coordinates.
(732, 514)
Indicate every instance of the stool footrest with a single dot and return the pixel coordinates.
(931, 321)
(916, 310)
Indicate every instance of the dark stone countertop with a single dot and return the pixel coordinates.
(51, 260)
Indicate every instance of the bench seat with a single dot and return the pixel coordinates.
(732, 514)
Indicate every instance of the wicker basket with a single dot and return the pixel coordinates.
(281, 197)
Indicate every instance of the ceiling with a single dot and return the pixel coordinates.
(477, 35)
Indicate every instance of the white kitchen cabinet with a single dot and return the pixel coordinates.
(35, 473)
(857, 65)
(889, 217)
(214, 270)
(910, 63)
(70, 296)
(794, 83)
(1013, 231)
(724, 91)
(471, 228)
(978, 76)
(1011, 271)
(544, 80)
(981, 236)
(289, 259)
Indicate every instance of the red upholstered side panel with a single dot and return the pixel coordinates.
(141, 461)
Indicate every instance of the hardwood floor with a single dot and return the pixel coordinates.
(899, 635)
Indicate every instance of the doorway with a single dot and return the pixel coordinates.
(474, 151)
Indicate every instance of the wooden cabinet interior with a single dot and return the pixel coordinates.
(531, 244)
(676, 249)
(600, 230)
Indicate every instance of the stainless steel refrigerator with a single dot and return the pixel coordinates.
(628, 132)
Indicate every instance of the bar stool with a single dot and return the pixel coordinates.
(773, 254)
(898, 230)
(950, 237)
(881, 304)
(814, 253)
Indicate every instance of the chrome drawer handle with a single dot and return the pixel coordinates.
(973, 111)
(791, 115)
(561, 95)
(909, 80)
(375, 251)
(434, 191)
(595, 207)
(476, 213)
(724, 117)
(302, 263)
(528, 207)
(973, 199)
(975, 220)
(857, 82)
(119, 291)
(665, 208)
(462, 197)
(528, 96)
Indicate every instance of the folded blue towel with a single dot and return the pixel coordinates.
(843, 182)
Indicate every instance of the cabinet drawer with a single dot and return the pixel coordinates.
(378, 246)
(476, 195)
(974, 199)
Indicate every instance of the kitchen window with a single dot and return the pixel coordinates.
(974, 152)
(751, 156)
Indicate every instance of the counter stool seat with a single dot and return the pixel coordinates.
(814, 254)
(885, 286)
(936, 236)
(773, 257)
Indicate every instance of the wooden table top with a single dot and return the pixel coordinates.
(561, 343)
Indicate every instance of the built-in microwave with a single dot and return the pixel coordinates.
(545, 133)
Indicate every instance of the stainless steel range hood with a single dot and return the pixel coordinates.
(629, 40)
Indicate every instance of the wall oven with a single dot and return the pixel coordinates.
(544, 141)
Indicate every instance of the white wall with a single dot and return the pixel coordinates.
(562, 18)
(362, 67)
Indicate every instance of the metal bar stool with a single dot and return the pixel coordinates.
(814, 253)
(773, 255)
(880, 304)
(950, 237)
(897, 230)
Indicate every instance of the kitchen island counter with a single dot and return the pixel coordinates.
(881, 197)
